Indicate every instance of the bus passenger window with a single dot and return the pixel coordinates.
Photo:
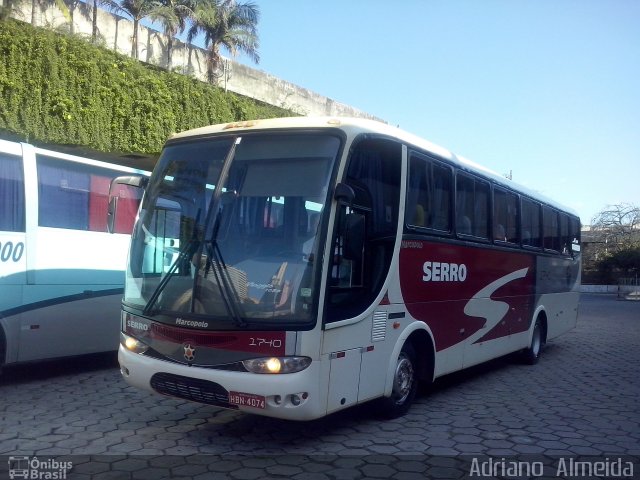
(472, 206)
(429, 194)
(505, 216)
(76, 196)
(12, 204)
(565, 239)
(531, 224)
(550, 229)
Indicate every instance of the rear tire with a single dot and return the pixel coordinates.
(531, 354)
(405, 384)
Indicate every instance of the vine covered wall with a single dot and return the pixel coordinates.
(56, 88)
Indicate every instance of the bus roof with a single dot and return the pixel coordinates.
(355, 126)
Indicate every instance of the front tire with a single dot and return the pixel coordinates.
(531, 354)
(405, 384)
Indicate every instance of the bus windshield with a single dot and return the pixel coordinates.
(228, 230)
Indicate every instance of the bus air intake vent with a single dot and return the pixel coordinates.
(379, 330)
(193, 389)
(180, 335)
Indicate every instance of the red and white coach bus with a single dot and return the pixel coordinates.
(296, 267)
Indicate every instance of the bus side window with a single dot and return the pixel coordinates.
(551, 231)
(429, 194)
(472, 206)
(565, 239)
(12, 201)
(505, 216)
(530, 223)
(76, 196)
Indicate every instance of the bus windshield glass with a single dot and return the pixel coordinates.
(228, 230)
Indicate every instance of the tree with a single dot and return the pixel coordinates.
(8, 8)
(618, 226)
(37, 5)
(94, 20)
(625, 261)
(615, 240)
(173, 14)
(137, 10)
(227, 24)
(73, 6)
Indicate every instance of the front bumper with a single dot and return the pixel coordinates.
(294, 396)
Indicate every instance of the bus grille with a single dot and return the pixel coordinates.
(194, 389)
(180, 335)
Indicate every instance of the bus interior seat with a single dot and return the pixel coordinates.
(464, 225)
(418, 216)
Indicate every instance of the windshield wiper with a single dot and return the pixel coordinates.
(223, 279)
(184, 252)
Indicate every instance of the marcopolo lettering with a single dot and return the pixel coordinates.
(444, 272)
(191, 323)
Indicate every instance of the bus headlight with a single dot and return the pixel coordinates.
(277, 364)
(132, 344)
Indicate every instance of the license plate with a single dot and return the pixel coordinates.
(246, 400)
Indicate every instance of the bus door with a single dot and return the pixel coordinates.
(357, 275)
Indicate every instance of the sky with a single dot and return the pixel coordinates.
(548, 90)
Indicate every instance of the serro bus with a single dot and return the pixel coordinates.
(61, 273)
(296, 267)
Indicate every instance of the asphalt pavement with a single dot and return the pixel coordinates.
(576, 414)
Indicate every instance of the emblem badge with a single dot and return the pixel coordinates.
(189, 352)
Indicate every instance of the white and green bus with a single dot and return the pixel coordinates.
(61, 273)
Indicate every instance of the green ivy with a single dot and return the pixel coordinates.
(60, 89)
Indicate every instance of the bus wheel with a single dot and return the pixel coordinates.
(531, 354)
(405, 384)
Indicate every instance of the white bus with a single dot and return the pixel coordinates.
(61, 273)
(295, 267)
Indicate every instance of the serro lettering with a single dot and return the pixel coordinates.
(444, 272)
(137, 325)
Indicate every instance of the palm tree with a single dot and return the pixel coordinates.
(173, 14)
(137, 10)
(73, 6)
(94, 21)
(38, 5)
(228, 24)
(7, 9)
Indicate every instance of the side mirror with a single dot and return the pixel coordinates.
(354, 233)
(136, 181)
